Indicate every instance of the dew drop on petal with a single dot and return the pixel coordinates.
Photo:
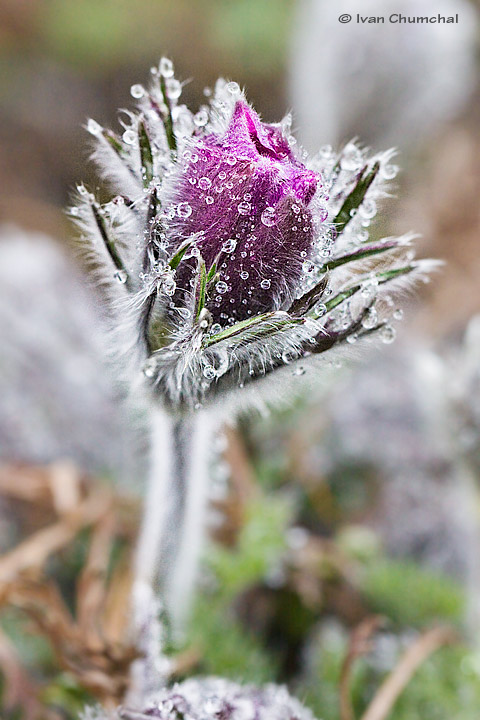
(204, 183)
(184, 210)
(300, 370)
(351, 339)
(389, 171)
(137, 91)
(288, 356)
(308, 266)
(244, 208)
(129, 137)
(150, 367)
(173, 89)
(201, 118)
(268, 216)
(93, 127)
(209, 372)
(221, 287)
(388, 334)
(166, 67)
(233, 88)
(398, 314)
(370, 319)
(229, 245)
(216, 328)
(231, 160)
(209, 200)
(244, 275)
(265, 284)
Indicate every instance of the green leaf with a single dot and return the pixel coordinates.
(146, 156)
(271, 321)
(356, 197)
(176, 259)
(108, 241)
(360, 254)
(167, 117)
(382, 277)
(202, 288)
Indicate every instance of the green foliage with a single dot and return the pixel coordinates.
(260, 546)
(412, 596)
(228, 648)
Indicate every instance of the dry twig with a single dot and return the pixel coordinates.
(396, 682)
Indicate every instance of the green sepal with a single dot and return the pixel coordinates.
(146, 155)
(356, 197)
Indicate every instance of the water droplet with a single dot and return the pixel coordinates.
(93, 127)
(368, 209)
(204, 183)
(295, 209)
(169, 285)
(244, 274)
(221, 287)
(308, 266)
(129, 137)
(398, 314)
(351, 159)
(231, 160)
(352, 339)
(209, 200)
(120, 276)
(201, 118)
(233, 88)
(209, 372)
(185, 313)
(268, 216)
(300, 370)
(265, 284)
(173, 89)
(320, 310)
(370, 319)
(74, 211)
(244, 208)
(184, 210)
(150, 367)
(389, 171)
(229, 245)
(388, 334)
(322, 214)
(137, 91)
(288, 356)
(166, 67)
(369, 288)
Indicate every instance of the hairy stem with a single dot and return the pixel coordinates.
(172, 529)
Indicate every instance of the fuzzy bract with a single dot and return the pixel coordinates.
(228, 256)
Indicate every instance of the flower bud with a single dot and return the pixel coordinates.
(246, 198)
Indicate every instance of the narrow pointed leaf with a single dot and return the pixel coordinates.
(176, 259)
(146, 155)
(360, 254)
(202, 288)
(108, 241)
(356, 197)
(167, 117)
(304, 303)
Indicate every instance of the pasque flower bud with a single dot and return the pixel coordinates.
(229, 253)
(248, 198)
